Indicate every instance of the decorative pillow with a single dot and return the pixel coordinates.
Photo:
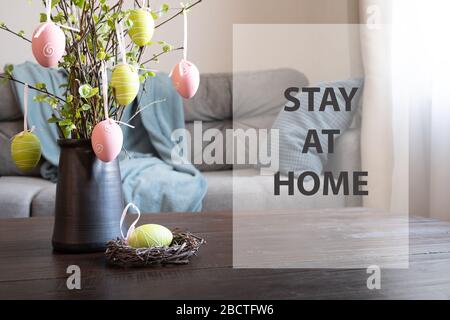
(293, 127)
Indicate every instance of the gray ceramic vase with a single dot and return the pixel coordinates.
(89, 200)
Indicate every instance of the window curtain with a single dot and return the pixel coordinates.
(406, 107)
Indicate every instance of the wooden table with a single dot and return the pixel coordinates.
(30, 270)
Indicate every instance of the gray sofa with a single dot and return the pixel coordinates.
(257, 98)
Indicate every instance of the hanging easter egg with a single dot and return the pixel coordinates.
(26, 151)
(149, 236)
(107, 140)
(186, 79)
(125, 82)
(141, 32)
(48, 44)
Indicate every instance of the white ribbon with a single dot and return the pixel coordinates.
(185, 40)
(68, 28)
(121, 42)
(133, 225)
(125, 124)
(105, 89)
(104, 73)
(48, 5)
(26, 90)
(25, 107)
(145, 69)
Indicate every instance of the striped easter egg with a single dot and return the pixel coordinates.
(26, 151)
(143, 27)
(125, 82)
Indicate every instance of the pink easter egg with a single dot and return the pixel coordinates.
(107, 140)
(48, 44)
(186, 79)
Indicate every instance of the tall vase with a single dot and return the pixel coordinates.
(89, 199)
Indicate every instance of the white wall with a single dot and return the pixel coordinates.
(324, 52)
(211, 26)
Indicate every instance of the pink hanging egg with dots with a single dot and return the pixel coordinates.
(48, 44)
(186, 79)
(107, 140)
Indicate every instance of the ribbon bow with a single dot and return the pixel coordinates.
(133, 225)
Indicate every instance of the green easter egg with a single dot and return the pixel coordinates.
(143, 27)
(26, 151)
(125, 81)
(149, 236)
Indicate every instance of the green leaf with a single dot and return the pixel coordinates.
(42, 17)
(85, 107)
(40, 98)
(101, 55)
(164, 8)
(167, 48)
(55, 3)
(9, 68)
(86, 91)
(67, 132)
(93, 92)
(79, 3)
(65, 123)
(53, 120)
(41, 86)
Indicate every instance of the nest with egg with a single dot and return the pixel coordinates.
(183, 247)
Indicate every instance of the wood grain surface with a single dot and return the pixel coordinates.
(30, 270)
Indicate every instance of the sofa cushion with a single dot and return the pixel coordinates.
(253, 191)
(213, 100)
(218, 129)
(17, 195)
(246, 100)
(43, 204)
(7, 167)
(294, 126)
(9, 110)
(24, 197)
(259, 96)
(220, 191)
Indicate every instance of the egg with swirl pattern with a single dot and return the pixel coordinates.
(107, 140)
(48, 44)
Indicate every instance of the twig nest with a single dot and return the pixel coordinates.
(125, 82)
(26, 150)
(186, 79)
(48, 44)
(150, 236)
(184, 246)
(143, 28)
(107, 140)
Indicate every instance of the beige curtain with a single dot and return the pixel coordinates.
(406, 107)
(376, 135)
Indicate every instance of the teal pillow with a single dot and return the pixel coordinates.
(293, 127)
